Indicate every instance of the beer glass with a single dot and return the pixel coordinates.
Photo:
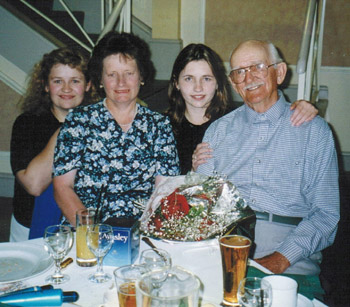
(125, 279)
(234, 254)
(84, 218)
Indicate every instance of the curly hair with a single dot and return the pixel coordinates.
(219, 103)
(127, 44)
(37, 99)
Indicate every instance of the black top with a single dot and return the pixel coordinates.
(187, 137)
(30, 134)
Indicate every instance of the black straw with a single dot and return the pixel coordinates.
(261, 297)
(100, 200)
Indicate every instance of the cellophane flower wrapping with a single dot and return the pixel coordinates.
(192, 208)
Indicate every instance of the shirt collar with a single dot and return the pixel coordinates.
(273, 114)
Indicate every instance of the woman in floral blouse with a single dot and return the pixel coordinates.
(113, 152)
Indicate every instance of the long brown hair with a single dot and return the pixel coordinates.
(219, 103)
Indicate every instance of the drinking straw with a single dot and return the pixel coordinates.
(100, 199)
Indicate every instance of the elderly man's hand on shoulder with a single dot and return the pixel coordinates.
(275, 262)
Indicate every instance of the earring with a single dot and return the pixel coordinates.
(101, 85)
(142, 83)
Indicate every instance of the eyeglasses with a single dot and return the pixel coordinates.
(258, 70)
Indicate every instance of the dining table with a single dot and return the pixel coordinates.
(201, 258)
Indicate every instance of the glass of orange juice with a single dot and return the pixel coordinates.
(84, 218)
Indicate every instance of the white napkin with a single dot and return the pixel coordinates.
(258, 266)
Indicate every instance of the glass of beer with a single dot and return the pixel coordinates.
(234, 254)
(125, 278)
(84, 218)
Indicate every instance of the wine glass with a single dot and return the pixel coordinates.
(254, 292)
(157, 261)
(58, 241)
(99, 239)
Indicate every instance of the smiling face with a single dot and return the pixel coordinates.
(259, 93)
(66, 87)
(197, 84)
(121, 79)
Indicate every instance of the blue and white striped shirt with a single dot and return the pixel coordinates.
(281, 169)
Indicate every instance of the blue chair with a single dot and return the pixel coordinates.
(46, 212)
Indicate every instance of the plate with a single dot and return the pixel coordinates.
(303, 301)
(19, 261)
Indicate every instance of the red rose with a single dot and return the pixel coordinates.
(174, 205)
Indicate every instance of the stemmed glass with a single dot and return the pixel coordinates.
(58, 241)
(157, 261)
(254, 292)
(99, 239)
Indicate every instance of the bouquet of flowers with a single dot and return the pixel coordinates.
(193, 208)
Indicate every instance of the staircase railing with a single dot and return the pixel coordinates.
(114, 9)
(310, 54)
(121, 9)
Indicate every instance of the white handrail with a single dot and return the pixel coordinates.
(305, 43)
(76, 22)
(57, 26)
(112, 18)
(122, 9)
(310, 55)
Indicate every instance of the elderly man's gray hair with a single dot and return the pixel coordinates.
(270, 48)
(273, 53)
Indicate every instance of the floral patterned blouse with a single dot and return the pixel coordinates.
(121, 164)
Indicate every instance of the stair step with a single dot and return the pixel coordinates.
(60, 17)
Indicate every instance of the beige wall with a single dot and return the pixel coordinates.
(166, 19)
(336, 41)
(231, 21)
(9, 111)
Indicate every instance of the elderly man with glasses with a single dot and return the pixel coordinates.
(288, 174)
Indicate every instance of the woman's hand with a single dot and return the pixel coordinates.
(65, 196)
(304, 111)
(200, 155)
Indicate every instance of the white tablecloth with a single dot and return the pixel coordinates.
(202, 258)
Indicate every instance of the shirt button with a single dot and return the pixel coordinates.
(296, 162)
(258, 161)
(261, 138)
(253, 201)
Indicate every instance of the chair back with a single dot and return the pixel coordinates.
(46, 212)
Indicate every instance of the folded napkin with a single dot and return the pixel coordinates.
(308, 285)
